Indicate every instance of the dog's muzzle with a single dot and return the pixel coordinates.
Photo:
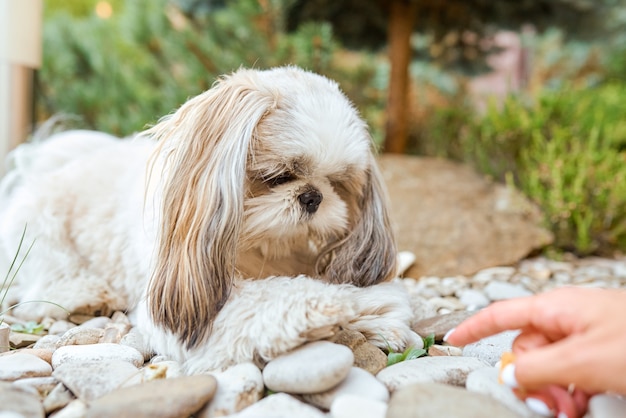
(310, 200)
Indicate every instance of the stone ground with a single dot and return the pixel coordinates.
(99, 367)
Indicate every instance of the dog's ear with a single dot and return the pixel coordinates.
(201, 164)
(368, 254)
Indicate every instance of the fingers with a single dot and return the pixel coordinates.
(528, 340)
(555, 400)
(498, 317)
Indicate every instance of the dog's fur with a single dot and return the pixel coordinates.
(213, 225)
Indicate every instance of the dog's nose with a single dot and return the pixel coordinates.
(310, 200)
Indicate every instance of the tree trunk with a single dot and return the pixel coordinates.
(401, 19)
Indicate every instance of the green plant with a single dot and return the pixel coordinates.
(9, 278)
(565, 151)
(30, 327)
(411, 353)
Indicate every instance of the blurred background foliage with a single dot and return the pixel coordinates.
(552, 123)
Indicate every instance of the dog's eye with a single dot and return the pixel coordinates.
(282, 179)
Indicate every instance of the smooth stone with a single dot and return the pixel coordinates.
(370, 358)
(58, 398)
(437, 350)
(474, 299)
(96, 353)
(366, 355)
(280, 405)
(351, 406)
(607, 406)
(19, 366)
(37, 385)
(97, 322)
(502, 290)
(89, 381)
(114, 332)
(47, 342)
(349, 338)
(120, 317)
(60, 327)
(311, 368)
(440, 324)
(490, 349)
(405, 259)
(81, 335)
(5, 331)
(22, 340)
(359, 383)
(237, 388)
(161, 398)
(19, 403)
(492, 274)
(486, 381)
(428, 400)
(75, 409)
(449, 370)
(135, 340)
(44, 354)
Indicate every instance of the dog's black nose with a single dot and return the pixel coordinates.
(310, 200)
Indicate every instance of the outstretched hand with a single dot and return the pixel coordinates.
(571, 344)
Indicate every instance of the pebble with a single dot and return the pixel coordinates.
(20, 403)
(58, 398)
(280, 405)
(47, 342)
(5, 331)
(89, 381)
(440, 324)
(502, 291)
(161, 398)
(351, 406)
(607, 406)
(37, 385)
(135, 340)
(358, 382)
(60, 327)
(490, 349)
(75, 409)
(486, 381)
(81, 335)
(21, 365)
(439, 400)
(96, 322)
(473, 299)
(237, 388)
(366, 355)
(311, 368)
(449, 370)
(21, 340)
(96, 353)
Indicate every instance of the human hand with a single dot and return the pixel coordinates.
(570, 338)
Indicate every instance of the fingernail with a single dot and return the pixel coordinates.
(448, 334)
(508, 376)
(562, 415)
(538, 407)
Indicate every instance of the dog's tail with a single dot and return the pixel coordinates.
(48, 151)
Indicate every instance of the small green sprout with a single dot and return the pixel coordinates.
(411, 353)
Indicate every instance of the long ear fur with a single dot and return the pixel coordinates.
(203, 148)
(368, 254)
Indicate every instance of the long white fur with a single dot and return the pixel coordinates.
(94, 206)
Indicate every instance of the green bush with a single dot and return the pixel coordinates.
(566, 151)
(122, 73)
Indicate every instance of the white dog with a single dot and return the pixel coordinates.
(248, 222)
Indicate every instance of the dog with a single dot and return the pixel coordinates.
(248, 222)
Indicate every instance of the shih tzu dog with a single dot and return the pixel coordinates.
(250, 221)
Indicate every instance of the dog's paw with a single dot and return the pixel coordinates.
(384, 316)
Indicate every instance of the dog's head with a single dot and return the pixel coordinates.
(269, 160)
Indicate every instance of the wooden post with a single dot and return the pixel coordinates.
(20, 53)
(401, 20)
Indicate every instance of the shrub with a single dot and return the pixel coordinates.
(566, 151)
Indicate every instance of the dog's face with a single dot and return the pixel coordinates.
(276, 161)
(306, 168)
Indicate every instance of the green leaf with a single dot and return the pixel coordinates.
(393, 358)
(429, 341)
(415, 353)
